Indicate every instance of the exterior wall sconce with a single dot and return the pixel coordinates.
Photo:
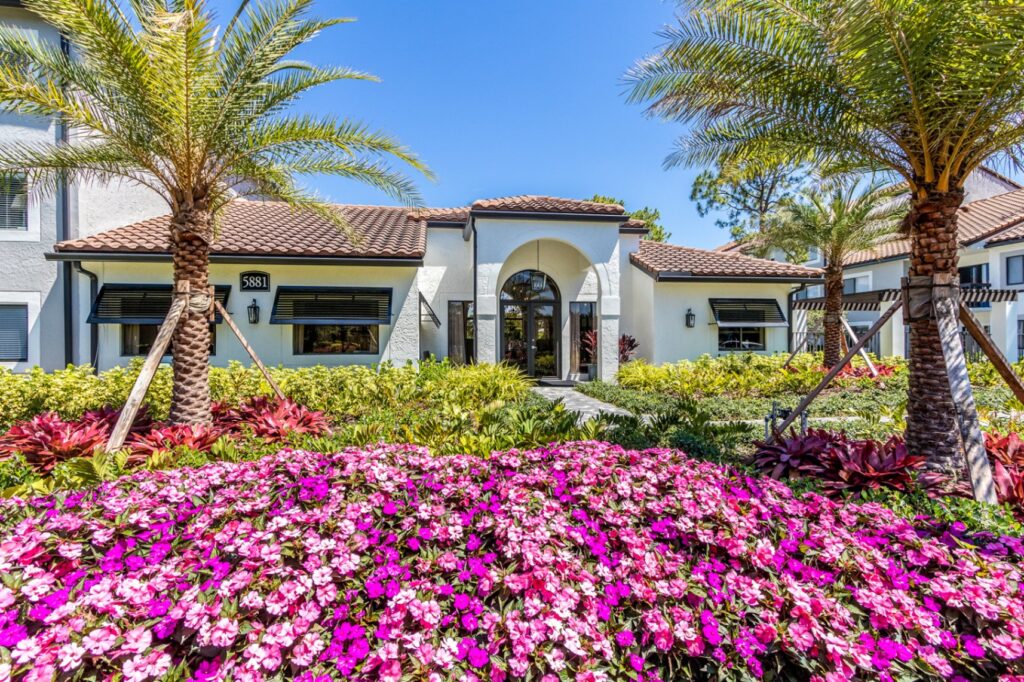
(254, 312)
(691, 318)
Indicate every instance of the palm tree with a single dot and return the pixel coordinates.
(155, 93)
(925, 89)
(838, 222)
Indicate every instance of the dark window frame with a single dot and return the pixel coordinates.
(743, 331)
(10, 191)
(298, 339)
(123, 329)
(25, 339)
(464, 310)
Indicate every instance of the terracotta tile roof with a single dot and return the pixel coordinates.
(540, 204)
(268, 228)
(441, 215)
(634, 224)
(657, 258)
(977, 221)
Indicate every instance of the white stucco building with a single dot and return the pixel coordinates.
(991, 263)
(548, 284)
(544, 283)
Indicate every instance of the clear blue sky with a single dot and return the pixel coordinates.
(506, 97)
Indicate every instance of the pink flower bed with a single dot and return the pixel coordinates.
(582, 561)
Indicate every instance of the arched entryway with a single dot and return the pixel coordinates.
(530, 323)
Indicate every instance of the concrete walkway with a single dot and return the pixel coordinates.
(574, 401)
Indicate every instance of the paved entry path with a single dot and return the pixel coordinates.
(574, 401)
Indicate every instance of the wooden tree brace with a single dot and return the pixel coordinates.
(863, 353)
(999, 361)
(945, 305)
(250, 350)
(795, 352)
(149, 367)
(827, 379)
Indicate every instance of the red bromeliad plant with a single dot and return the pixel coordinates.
(199, 437)
(851, 372)
(46, 439)
(270, 419)
(810, 455)
(869, 464)
(846, 465)
(1008, 449)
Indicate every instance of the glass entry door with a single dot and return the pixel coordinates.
(530, 323)
(530, 336)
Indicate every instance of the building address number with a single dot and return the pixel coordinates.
(255, 281)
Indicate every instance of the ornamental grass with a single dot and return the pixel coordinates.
(581, 561)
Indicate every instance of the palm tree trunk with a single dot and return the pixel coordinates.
(833, 316)
(190, 396)
(932, 428)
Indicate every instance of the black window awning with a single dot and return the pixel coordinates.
(140, 303)
(747, 312)
(331, 305)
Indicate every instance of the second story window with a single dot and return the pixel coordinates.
(853, 285)
(974, 275)
(1015, 270)
(13, 203)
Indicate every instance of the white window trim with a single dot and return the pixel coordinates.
(34, 216)
(33, 300)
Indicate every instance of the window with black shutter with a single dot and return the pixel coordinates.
(13, 332)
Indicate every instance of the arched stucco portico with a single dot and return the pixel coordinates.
(582, 260)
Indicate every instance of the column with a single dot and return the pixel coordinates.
(1003, 328)
(893, 334)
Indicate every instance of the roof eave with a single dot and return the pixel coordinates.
(756, 279)
(124, 257)
(544, 215)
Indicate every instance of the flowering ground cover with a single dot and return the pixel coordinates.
(580, 561)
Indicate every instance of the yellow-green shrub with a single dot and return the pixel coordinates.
(346, 391)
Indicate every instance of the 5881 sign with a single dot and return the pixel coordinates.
(254, 281)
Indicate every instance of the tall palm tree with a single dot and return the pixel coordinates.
(154, 92)
(926, 89)
(838, 222)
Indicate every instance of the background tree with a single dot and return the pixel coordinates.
(748, 193)
(165, 99)
(838, 222)
(928, 89)
(651, 216)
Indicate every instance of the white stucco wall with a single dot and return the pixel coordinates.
(584, 259)
(981, 185)
(399, 342)
(673, 341)
(446, 275)
(25, 276)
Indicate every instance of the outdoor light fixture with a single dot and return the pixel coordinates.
(538, 281)
(691, 319)
(254, 312)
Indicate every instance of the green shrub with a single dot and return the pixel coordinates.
(342, 392)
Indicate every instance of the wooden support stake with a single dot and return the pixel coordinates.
(863, 353)
(995, 355)
(149, 367)
(249, 349)
(946, 318)
(795, 352)
(809, 398)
